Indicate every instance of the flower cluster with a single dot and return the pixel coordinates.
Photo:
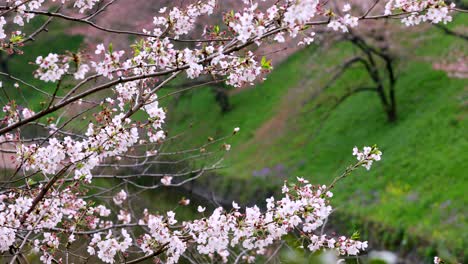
(51, 212)
(11, 114)
(252, 24)
(110, 63)
(24, 10)
(84, 5)
(181, 22)
(109, 246)
(343, 23)
(367, 156)
(161, 234)
(2, 30)
(81, 71)
(166, 180)
(433, 11)
(51, 68)
(120, 197)
(304, 207)
(109, 141)
(245, 71)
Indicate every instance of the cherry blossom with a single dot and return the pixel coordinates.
(110, 63)
(27, 113)
(2, 30)
(166, 180)
(367, 156)
(120, 197)
(54, 208)
(81, 71)
(421, 11)
(51, 68)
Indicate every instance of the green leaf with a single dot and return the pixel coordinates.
(31, 182)
(356, 235)
(16, 38)
(266, 64)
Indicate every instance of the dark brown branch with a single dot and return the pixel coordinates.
(161, 250)
(451, 32)
(114, 31)
(43, 192)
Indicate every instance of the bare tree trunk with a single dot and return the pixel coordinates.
(4, 63)
(392, 114)
(222, 98)
(388, 101)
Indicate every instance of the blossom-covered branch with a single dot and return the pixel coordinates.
(61, 218)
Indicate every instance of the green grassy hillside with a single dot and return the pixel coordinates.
(420, 185)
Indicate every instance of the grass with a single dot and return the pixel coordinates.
(420, 184)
